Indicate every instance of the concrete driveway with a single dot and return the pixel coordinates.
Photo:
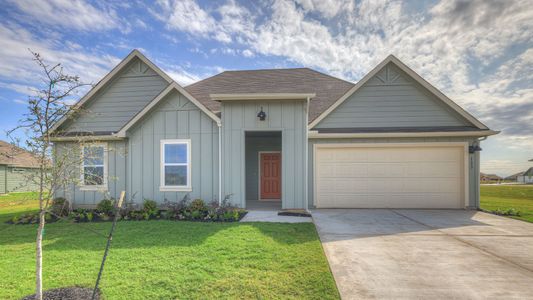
(427, 254)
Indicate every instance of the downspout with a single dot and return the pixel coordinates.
(478, 195)
(306, 163)
(219, 164)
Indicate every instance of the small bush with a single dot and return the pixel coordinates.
(198, 205)
(106, 206)
(150, 207)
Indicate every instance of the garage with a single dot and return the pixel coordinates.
(409, 175)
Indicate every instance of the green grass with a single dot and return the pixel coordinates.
(519, 197)
(166, 259)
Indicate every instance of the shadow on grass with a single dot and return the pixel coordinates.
(147, 234)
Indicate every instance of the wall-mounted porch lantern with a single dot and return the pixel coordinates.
(262, 115)
(473, 149)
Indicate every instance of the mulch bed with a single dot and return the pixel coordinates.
(67, 293)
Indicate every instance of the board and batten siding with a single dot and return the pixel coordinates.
(3, 183)
(288, 117)
(175, 117)
(391, 99)
(120, 100)
(253, 146)
(473, 160)
(116, 170)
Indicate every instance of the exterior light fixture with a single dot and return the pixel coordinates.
(262, 115)
(473, 149)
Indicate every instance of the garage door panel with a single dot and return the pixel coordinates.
(400, 177)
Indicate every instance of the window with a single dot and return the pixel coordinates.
(175, 165)
(94, 166)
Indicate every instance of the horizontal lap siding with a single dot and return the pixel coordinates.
(473, 160)
(123, 98)
(173, 118)
(3, 170)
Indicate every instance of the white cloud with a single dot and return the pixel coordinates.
(20, 101)
(19, 72)
(247, 53)
(187, 16)
(74, 14)
(477, 52)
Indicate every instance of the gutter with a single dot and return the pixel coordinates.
(87, 138)
(219, 163)
(313, 134)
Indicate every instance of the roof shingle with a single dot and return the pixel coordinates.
(328, 89)
(14, 156)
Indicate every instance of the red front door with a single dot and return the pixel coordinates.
(270, 164)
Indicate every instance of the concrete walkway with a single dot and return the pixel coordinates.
(427, 254)
(272, 216)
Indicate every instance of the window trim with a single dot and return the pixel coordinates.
(104, 185)
(162, 164)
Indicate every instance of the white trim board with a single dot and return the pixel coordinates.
(481, 133)
(157, 99)
(261, 96)
(133, 54)
(162, 164)
(392, 59)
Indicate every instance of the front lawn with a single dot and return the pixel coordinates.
(504, 197)
(168, 259)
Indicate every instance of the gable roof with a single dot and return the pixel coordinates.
(156, 100)
(107, 78)
(529, 172)
(17, 157)
(299, 80)
(392, 59)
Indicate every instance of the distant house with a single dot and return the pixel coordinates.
(527, 177)
(16, 167)
(514, 177)
(489, 177)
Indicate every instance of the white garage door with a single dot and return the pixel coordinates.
(413, 176)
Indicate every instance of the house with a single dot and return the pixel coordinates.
(292, 138)
(17, 168)
(527, 177)
(514, 177)
(489, 177)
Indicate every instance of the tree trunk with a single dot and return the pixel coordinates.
(39, 258)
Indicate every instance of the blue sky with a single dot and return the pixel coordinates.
(479, 53)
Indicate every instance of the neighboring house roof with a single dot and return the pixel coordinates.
(514, 176)
(529, 172)
(484, 176)
(17, 157)
(300, 80)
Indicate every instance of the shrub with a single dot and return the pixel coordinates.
(106, 206)
(150, 207)
(198, 205)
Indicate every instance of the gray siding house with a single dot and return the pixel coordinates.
(279, 138)
(18, 169)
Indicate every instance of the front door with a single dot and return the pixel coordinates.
(270, 175)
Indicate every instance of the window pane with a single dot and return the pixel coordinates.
(93, 175)
(93, 155)
(175, 175)
(175, 153)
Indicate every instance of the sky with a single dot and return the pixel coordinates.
(479, 53)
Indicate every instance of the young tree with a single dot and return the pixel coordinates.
(46, 106)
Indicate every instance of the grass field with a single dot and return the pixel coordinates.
(166, 259)
(519, 197)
